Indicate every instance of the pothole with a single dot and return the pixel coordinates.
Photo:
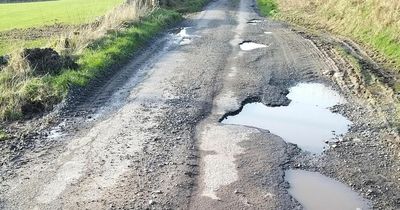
(315, 191)
(307, 121)
(249, 45)
(254, 21)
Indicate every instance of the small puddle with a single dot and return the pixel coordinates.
(254, 21)
(315, 192)
(183, 37)
(249, 45)
(307, 121)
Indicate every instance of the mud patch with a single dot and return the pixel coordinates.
(32, 107)
(306, 121)
(37, 32)
(4, 61)
(315, 191)
(249, 45)
(47, 61)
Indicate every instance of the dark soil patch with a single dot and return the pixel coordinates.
(47, 61)
(36, 33)
(3, 61)
(34, 107)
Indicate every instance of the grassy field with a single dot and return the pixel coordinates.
(7, 46)
(36, 14)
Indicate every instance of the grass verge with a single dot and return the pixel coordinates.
(3, 135)
(267, 7)
(373, 23)
(19, 86)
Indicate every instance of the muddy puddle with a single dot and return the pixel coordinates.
(249, 45)
(185, 36)
(315, 192)
(307, 121)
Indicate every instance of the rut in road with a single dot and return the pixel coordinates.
(162, 145)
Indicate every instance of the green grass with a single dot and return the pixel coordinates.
(7, 46)
(3, 135)
(36, 14)
(267, 7)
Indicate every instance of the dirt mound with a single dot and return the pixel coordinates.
(3, 61)
(47, 61)
(33, 107)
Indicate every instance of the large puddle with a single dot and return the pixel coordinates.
(316, 192)
(307, 121)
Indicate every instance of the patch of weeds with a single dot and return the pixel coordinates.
(267, 7)
(368, 77)
(3, 135)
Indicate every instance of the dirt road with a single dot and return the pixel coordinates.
(151, 137)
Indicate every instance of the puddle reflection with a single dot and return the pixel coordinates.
(315, 192)
(307, 121)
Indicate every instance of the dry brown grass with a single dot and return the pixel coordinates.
(74, 42)
(375, 23)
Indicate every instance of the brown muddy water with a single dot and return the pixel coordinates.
(317, 192)
(307, 121)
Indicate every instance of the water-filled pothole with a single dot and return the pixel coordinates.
(254, 21)
(184, 37)
(306, 121)
(249, 45)
(315, 192)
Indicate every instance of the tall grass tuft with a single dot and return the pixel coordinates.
(74, 42)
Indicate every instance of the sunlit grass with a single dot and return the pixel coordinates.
(374, 23)
(36, 14)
